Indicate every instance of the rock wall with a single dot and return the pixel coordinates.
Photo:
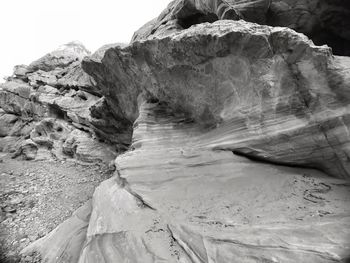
(53, 109)
(226, 116)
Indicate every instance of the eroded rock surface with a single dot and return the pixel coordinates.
(53, 109)
(282, 98)
(199, 89)
(176, 199)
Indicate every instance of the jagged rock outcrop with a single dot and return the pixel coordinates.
(53, 109)
(196, 92)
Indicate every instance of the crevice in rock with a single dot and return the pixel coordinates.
(340, 46)
(14, 93)
(124, 184)
(254, 156)
(190, 253)
(324, 23)
(335, 152)
(197, 18)
(56, 111)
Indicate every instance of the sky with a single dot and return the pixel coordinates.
(31, 28)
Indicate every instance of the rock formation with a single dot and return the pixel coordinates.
(53, 109)
(324, 21)
(275, 91)
(238, 132)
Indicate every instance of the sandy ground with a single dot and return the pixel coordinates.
(37, 196)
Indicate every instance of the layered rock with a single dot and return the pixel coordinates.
(53, 109)
(200, 92)
(282, 98)
(175, 199)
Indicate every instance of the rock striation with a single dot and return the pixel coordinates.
(236, 130)
(175, 199)
(282, 98)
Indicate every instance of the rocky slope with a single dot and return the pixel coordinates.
(53, 109)
(215, 104)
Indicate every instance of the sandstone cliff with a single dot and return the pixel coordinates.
(235, 132)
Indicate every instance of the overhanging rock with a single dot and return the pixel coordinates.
(180, 194)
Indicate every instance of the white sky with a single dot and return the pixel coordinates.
(31, 28)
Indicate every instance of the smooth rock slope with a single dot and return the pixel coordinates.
(175, 199)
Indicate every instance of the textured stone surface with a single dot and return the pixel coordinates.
(53, 109)
(324, 21)
(281, 97)
(176, 199)
(196, 92)
(60, 58)
(181, 14)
